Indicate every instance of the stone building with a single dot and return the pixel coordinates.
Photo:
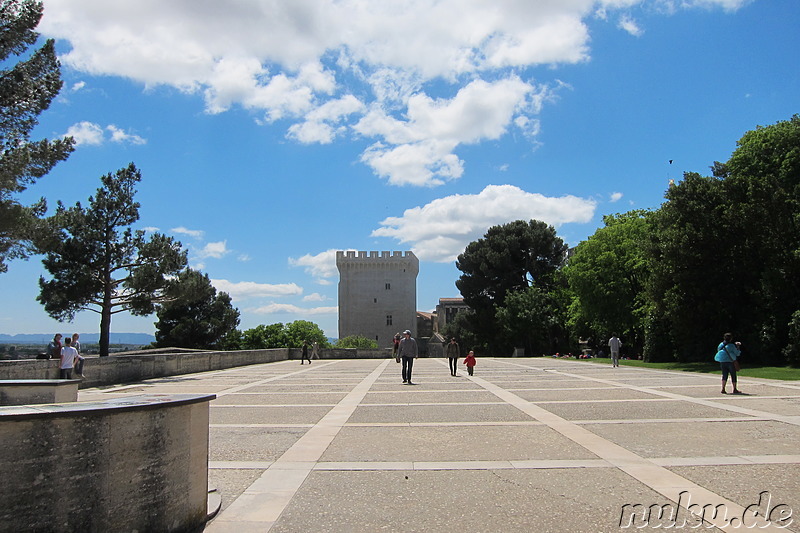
(377, 294)
(447, 310)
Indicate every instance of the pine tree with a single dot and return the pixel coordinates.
(26, 90)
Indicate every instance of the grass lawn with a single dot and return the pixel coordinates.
(767, 372)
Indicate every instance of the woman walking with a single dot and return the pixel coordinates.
(453, 353)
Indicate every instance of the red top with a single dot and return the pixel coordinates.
(469, 360)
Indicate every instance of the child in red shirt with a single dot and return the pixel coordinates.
(469, 360)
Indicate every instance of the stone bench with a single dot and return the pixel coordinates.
(138, 463)
(36, 391)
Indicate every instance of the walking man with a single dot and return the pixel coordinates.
(407, 353)
(614, 343)
(304, 353)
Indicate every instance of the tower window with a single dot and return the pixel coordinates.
(388, 286)
(388, 320)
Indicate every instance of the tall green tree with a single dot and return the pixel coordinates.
(534, 319)
(509, 258)
(726, 254)
(195, 314)
(607, 276)
(26, 90)
(304, 330)
(263, 337)
(99, 264)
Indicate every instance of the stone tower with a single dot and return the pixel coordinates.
(377, 294)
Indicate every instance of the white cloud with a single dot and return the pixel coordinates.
(290, 309)
(86, 133)
(290, 60)
(440, 230)
(78, 86)
(322, 266)
(615, 197)
(244, 290)
(244, 258)
(314, 297)
(631, 26)
(320, 123)
(119, 135)
(216, 250)
(419, 150)
(194, 233)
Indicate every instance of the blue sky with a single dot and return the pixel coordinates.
(271, 134)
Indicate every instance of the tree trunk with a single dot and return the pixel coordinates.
(105, 319)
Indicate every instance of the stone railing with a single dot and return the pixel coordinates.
(138, 463)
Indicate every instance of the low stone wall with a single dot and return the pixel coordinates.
(343, 353)
(128, 464)
(131, 368)
(33, 391)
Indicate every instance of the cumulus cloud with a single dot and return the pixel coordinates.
(244, 290)
(434, 74)
(440, 230)
(419, 150)
(89, 133)
(314, 297)
(630, 25)
(194, 233)
(290, 309)
(119, 135)
(321, 266)
(216, 250)
(615, 197)
(86, 133)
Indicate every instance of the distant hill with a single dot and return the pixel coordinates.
(86, 338)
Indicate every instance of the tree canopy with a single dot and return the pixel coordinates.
(357, 341)
(195, 315)
(281, 335)
(607, 276)
(99, 264)
(509, 258)
(26, 90)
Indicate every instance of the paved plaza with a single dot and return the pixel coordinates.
(535, 445)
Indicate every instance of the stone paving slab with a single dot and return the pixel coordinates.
(423, 413)
(406, 396)
(526, 445)
(634, 410)
(582, 395)
(711, 438)
(781, 406)
(464, 501)
(251, 444)
(266, 414)
(249, 398)
(463, 443)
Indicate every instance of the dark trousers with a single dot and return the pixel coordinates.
(470, 369)
(408, 364)
(453, 365)
(304, 356)
(65, 373)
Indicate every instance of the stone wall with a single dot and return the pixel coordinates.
(131, 368)
(129, 464)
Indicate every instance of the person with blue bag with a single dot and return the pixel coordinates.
(727, 354)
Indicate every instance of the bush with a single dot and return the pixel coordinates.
(357, 341)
